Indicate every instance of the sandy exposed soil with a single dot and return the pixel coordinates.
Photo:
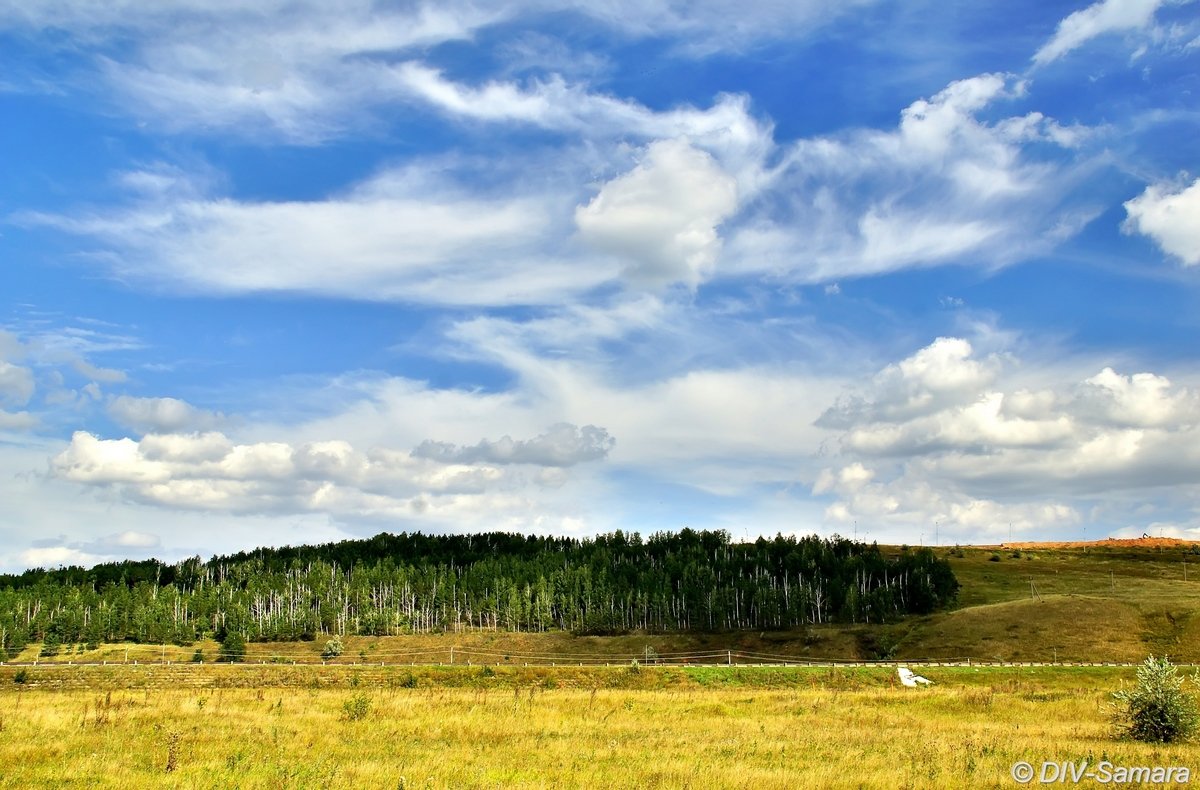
(1148, 543)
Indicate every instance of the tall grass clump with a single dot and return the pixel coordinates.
(1157, 709)
(356, 708)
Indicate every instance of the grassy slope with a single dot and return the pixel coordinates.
(1095, 604)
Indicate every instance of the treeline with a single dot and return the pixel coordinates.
(392, 584)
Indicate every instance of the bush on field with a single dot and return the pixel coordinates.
(356, 708)
(333, 648)
(233, 647)
(1157, 709)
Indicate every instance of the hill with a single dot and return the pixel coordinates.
(1100, 601)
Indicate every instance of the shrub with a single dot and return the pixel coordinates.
(51, 645)
(994, 558)
(333, 648)
(233, 647)
(21, 676)
(1157, 709)
(198, 656)
(356, 708)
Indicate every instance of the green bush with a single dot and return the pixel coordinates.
(21, 676)
(356, 708)
(51, 645)
(233, 648)
(333, 648)
(1157, 709)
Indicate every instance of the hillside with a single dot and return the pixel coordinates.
(1105, 601)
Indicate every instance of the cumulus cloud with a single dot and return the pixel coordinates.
(563, 445)
(943, 436)
(209, 472)
(161, 415)
(1170, 217)
(1107, 16)
(941, 374)
(661, 218)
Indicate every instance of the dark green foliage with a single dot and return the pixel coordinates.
(994, 558)
(615, 583)
(51, 643)
(1157, 709)
(21, 677)
(233, 647)
(198, 656)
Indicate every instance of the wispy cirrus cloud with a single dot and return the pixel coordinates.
(1107, 16)
(944, 186)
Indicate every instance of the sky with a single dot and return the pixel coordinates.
(290, 272)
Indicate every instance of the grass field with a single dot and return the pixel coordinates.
(564, 727)
(501, 723)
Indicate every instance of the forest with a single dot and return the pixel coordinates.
(415, 583)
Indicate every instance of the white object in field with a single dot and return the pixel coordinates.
(907, 678)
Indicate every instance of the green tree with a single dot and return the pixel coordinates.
(233, 647)
(1157, 709)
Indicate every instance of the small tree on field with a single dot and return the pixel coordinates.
(51, 644)
(233, 647)
(333, 648)
(1157, 709)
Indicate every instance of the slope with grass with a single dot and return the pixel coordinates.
(1107, 601)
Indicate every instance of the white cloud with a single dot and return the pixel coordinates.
(563, 445)
(161, 415)
(1171, 218)
(1107, 16)
(944, 186)
(17, 421)
(300, 70)
(945, 435)
(306, 71)
(209, 472)
(661, 218)
(411, 235)
(16, 384)
(56, 556)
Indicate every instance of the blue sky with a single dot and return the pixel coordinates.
(284, 272)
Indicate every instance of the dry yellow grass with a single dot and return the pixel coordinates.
(826, 730)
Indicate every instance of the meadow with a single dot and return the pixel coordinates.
(561, 727)
(370, 718)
